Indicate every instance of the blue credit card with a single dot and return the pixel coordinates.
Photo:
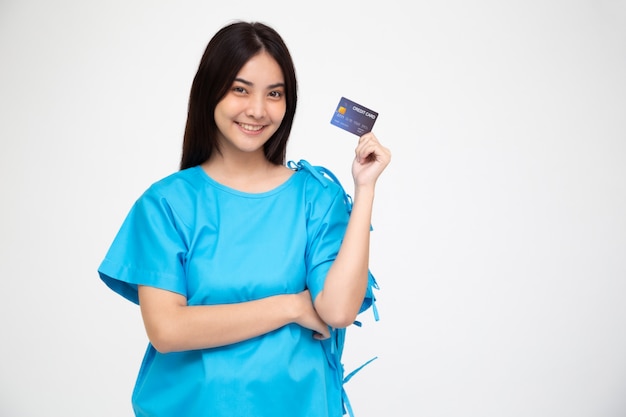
(353, 117)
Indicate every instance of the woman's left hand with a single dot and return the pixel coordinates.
(371, 158)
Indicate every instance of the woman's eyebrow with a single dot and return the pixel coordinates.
(249, 83)
(246, 82)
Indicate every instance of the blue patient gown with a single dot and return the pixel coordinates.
(216, 245)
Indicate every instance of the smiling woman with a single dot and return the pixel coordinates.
(247, 270)
(251, 111)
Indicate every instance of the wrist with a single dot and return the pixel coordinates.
(364, 192)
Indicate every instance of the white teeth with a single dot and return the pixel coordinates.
(250, 127)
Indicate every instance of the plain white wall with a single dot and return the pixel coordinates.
(499, 235)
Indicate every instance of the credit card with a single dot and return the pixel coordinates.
(353, 117)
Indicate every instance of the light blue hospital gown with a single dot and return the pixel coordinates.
(214, 245)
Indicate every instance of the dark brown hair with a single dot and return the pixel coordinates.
(227, 52)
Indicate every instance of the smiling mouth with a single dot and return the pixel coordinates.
(251, 128)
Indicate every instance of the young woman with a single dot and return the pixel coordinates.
(246, 269)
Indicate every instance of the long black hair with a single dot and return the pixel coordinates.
(227, 52)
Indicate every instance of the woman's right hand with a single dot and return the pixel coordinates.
(307, 317)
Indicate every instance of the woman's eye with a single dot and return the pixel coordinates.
(239, 89)
(276, 94)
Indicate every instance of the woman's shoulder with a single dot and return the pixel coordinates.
(316, 175)
(180, 187)
(320, 183)
(185, 178)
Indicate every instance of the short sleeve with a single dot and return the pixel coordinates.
(327, 225)
(149, 249)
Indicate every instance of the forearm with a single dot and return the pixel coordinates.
(172, 326)
(346, 283)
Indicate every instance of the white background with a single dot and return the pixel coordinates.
(499, 237)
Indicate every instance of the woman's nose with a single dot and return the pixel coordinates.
(256, 107)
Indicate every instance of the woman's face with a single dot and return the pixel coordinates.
(253, 108)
